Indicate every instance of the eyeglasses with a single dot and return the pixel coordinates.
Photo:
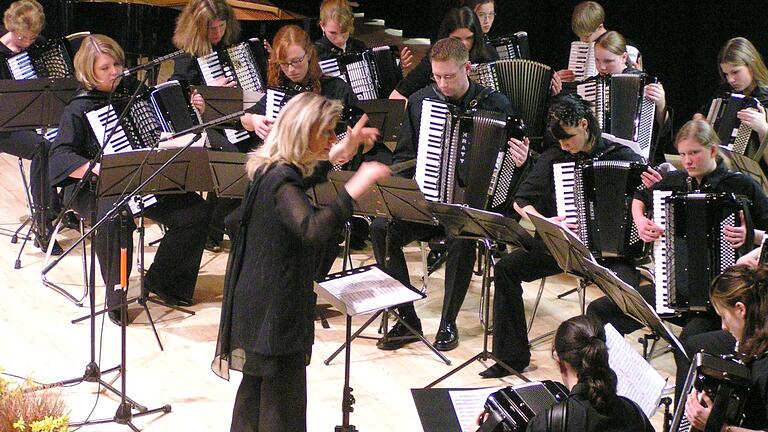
(295, 62)
(484, 15)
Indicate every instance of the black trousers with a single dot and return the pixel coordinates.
(458, 266)
(510, 331)
(177, 261)
(31, 146)
(275, 403)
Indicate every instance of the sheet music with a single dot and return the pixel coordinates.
(637, 379)
(468, 404)
(367, 290)
(629, 143)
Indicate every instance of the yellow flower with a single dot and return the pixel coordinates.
(20, 425)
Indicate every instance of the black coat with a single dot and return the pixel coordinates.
(268, 307)
(327, 50)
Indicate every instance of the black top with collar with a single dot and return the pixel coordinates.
(327, 50)
(538, 188)
(756, 407)
(406, 148)
(719, 180)
(620, 415)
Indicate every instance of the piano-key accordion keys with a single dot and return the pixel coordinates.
(621, 108)
(245, 63)
(514, 46)
(49, 59)
(732, 132)
(693, 249)
(525, 82)
(463, 157)
(582, 60)
(597, 195)
(372, 74)
(164, 108)
(276, 98)
(512, 408)
(725, 380)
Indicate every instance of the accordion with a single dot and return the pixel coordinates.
(372, 74)
(597, 195)
(525, 82)
(726, 381)
(245, 63)
(692, 250)
(512, 408)
(582, 60)
(514, 46)
(732, 132)
(163, 108)
(621, 108)
(276, 98)
(463, 157)
(49, 59)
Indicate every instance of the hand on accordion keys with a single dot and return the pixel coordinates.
(647, 230)
(698, 406)
(197, 101)
(259, 124)
(755, 119)
(560, 220)
(224, 81)
(736, 235)
(519, 150)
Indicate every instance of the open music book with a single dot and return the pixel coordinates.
(637, 379)
(625, 142)
(365, 289)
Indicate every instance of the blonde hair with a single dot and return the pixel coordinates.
(449, 49)
(339, 11)
(612, 42)
(285, 37)
(587, 17)
(91, 48)
(740, 52)
(703, 133)
(301, 120)
(24, 15)
(191, 34)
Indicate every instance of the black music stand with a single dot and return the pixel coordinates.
(228, 173)
(574, 257)
(391, 198)
(490, 228)
(27, 105)
(358, 291)
(387, 116)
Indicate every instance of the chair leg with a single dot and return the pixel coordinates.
(536, 304)
(424, 266)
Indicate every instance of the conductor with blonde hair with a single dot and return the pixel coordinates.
(267, 317)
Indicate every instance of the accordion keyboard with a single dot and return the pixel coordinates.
(661, 273)
(582, 60)
(565, 191)
(434, 122)
(21, 67)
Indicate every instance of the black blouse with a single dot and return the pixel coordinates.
(268, 307)
(327, 50)
(620, 415)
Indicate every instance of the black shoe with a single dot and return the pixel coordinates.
(435, 260)
(43, 245)
(213, 245)
(71, 221)
(170, 300)
(447, 337)
(115, 317)
(498, 371)
(399, 336)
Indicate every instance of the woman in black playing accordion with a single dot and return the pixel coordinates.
(23, 21)
(581, 354)
(706, 171)
(740, 297)
(173, 274)
(461, 24)
(743, 72)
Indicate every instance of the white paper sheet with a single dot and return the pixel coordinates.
(468, 404)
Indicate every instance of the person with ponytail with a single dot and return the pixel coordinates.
(740, 297)
(581, 354)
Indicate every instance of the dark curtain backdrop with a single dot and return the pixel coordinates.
(679, 40)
